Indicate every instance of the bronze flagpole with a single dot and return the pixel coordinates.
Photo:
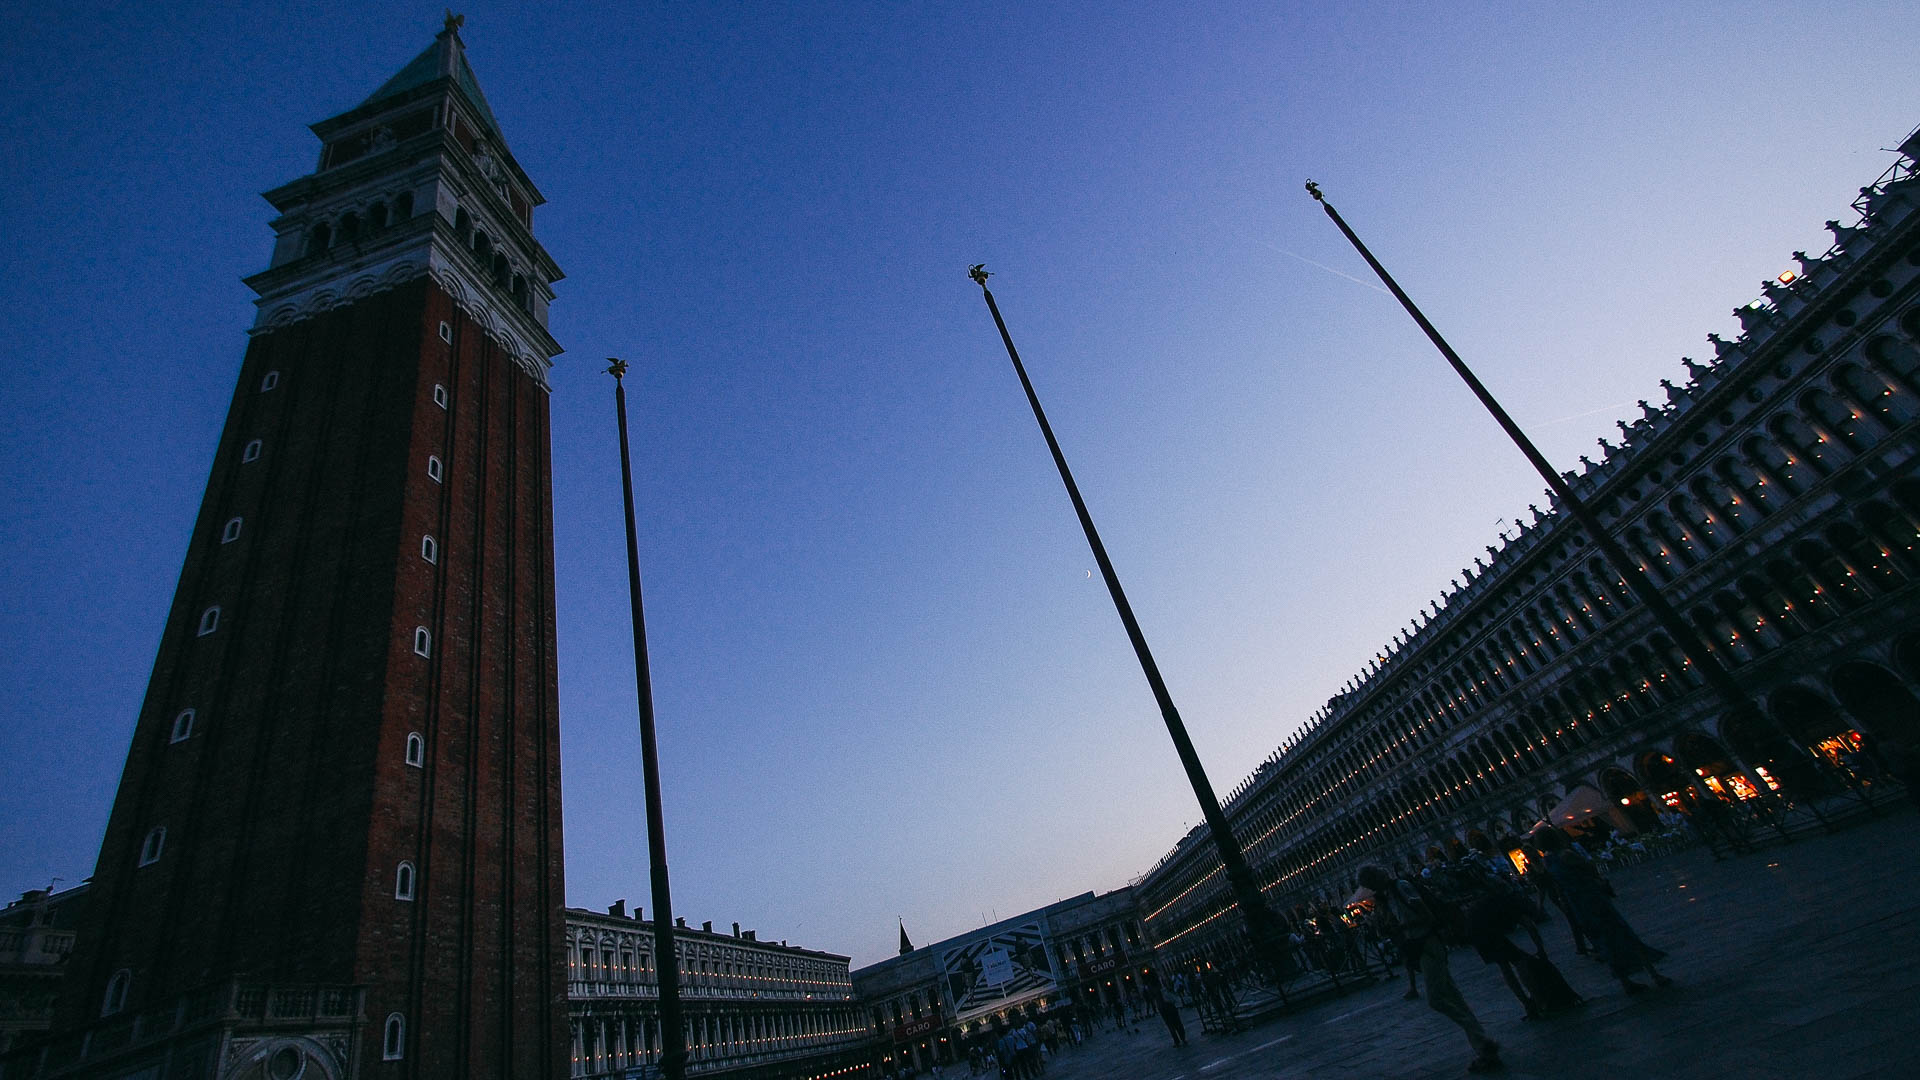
(673, 1034)
(1246, 891)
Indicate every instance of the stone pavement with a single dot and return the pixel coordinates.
(1797, 961)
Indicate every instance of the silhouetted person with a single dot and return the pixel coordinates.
(1421, 924)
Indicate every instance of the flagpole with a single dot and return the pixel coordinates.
(1692, 648)
(673, 1034)
(1240, 879)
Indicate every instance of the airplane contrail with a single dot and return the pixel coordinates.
(1324, 266)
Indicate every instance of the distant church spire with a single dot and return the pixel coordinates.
(905, 945)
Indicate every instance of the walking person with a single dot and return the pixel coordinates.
(1170, 1015)
(1421, 923)
(1592, 896)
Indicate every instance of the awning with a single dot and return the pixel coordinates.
(1584, 803)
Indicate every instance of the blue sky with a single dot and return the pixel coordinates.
(887, 685)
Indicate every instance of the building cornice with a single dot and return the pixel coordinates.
(302, 289)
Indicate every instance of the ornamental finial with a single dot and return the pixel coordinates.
(616, 367)
(978, 272)
(1313, 189)
(453, 23)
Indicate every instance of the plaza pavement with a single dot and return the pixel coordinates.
(1796, 961)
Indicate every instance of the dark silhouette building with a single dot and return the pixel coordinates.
(336, 846)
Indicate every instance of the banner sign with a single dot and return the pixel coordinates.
(996, 970)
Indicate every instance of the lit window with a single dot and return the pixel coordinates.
(251, 451)
(209, 620)
(416, 749)
(117, 987)
(422, 641)
(429, 550)
(270, 380)
(182, 726)
(434, 471)
(232, 532)
(403, 882)
(439, 395)
(393, 1043)
(446, 333)
(153, 845)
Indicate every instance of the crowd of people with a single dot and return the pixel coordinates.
(1409, 918)
(1470, 896)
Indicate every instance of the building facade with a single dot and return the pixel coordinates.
(1773, 497)
(336, 848)
(753, 1010)
(36, 938)
(929, 1004)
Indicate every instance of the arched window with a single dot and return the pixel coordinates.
(422, 641)
(434, 471)
(462, 224)
(1875, 393)
(117, 987)
(440, 392)
(483, 247)
(250, 452)
(377, 215)
(153, 845)
(209, 620)
(393, 1038)
(231, 531)
(429, 550)
(268, 381)
(1896, 357)
(349, 226)
(319, 239)
(182, 726)
(403, 881)
(403, 206)
(416, 749)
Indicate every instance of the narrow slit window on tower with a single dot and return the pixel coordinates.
(422, 641)
(182, 726)
(210, 620)
(268, 381)
(153, 845)
(231, 532)
(393, 1041)
(416, 749)
(117, 987)
(440, 395)
(429, 550)
(434, 471)
(251, 451)
(403, 881)
(446, 333)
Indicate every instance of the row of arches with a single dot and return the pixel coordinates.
(1534, 637)
(628, 1035)
(349, 226)
(493, 259)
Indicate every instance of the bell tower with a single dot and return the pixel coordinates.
(336, 849)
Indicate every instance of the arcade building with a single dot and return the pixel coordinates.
(1773, 495)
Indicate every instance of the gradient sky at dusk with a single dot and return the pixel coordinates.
(887, 684)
